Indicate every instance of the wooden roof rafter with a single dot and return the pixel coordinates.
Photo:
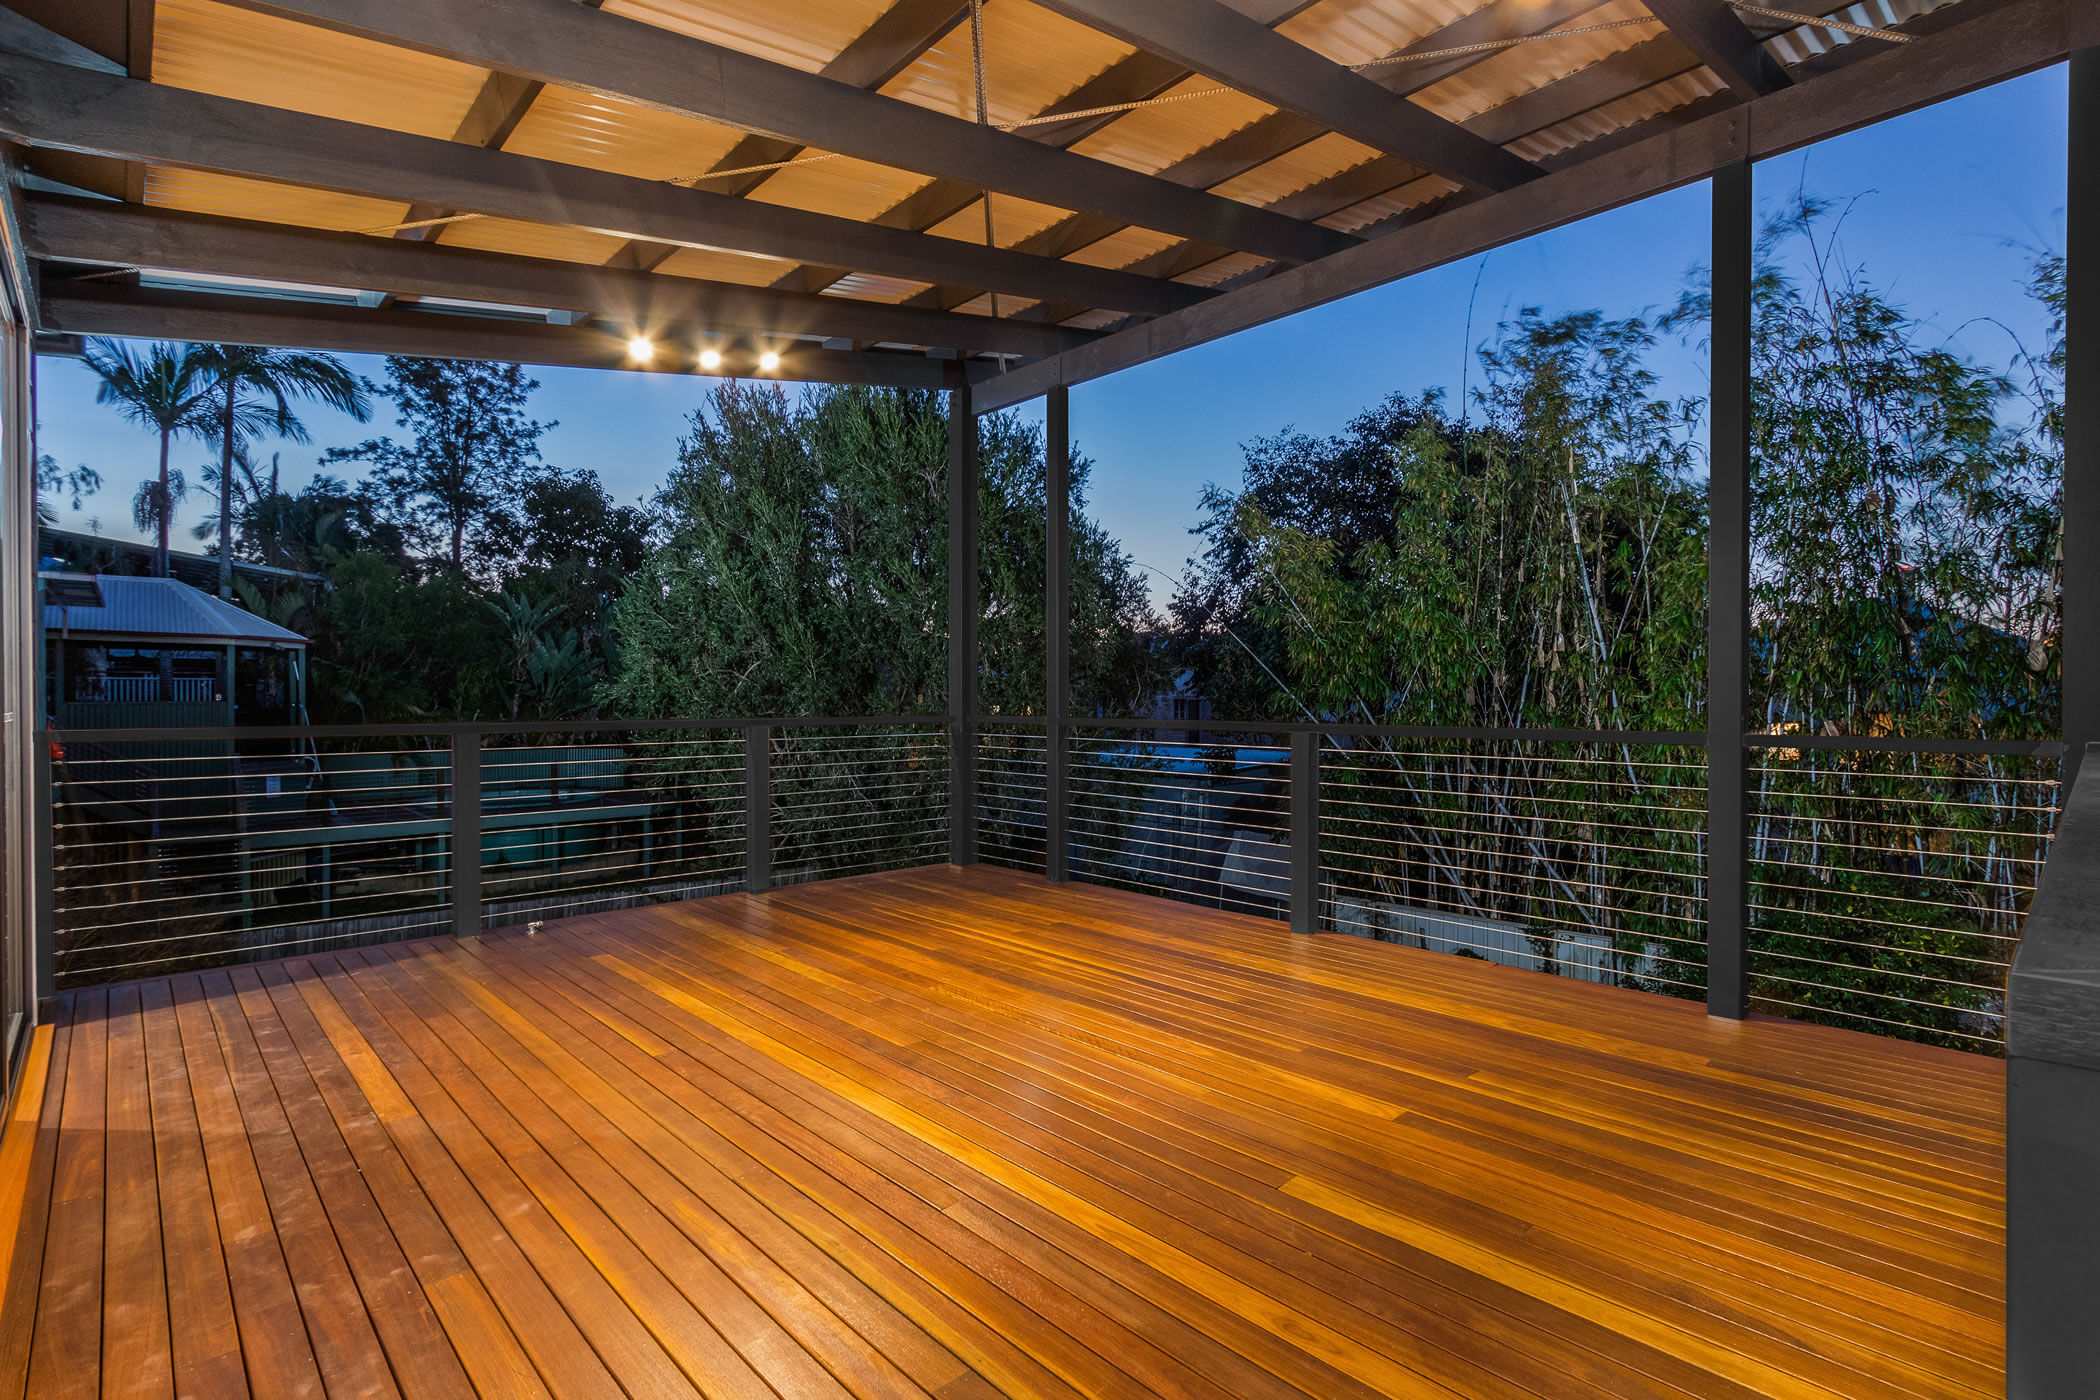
(558, 41)
(1214, 39)
(1276, 135)
(1994, 41)
(540, 196)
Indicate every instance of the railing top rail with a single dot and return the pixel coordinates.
(1850, 743)
(478, 728)
(2053, 991)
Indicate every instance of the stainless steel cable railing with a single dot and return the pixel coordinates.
(179, 850)
(1888, 879)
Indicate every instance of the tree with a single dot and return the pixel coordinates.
(325, 519)
(252, 389)
(457, 480)
(153, 506)
(391, 645)
(1545, 569)
(166, 389)
(804, 565)
(576, 546)
(53, 481)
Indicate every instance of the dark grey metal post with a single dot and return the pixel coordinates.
(758, 808)
(466, 834)
(962, 629)
(2080, 638)
(2052, 1129)
(1057, 637)
(43, 816)
(1305, 831)
(2052, 1014)
(1728, 601)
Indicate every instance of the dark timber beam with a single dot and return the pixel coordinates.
(1214, 39)
(884, 49)
(558, 41)
(149, 313)
(1968, 53)
(1724, 43)
(1278, 134)
(1133, 78)
(96, 231)
(68, 108)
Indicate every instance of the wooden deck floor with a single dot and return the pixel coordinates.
(959, 1133)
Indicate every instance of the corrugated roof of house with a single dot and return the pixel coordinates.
(162, 607)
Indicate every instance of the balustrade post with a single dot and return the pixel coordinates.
(758, 808)
(466, 833)
(44, 875)
(963, 604)
(1728, 599)
(1305, 831)
(1057, 638)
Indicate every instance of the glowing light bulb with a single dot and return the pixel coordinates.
(769, 361)
(710, 359)
(641, 349)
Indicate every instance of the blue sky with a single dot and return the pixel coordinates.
(1952, 204)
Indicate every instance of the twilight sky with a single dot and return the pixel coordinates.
(1952, 204)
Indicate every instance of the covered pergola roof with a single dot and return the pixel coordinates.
(543, 180)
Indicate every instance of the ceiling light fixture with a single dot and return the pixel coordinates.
(769, 361)
(641, 349)
(710, 359)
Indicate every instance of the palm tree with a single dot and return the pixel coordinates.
(274, 378)
(163, 389)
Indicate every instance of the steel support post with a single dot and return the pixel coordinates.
(2080, 568)
(1305, 831)
(2052, 1085)
(1057, 638)
(758, 808)
(962, 629)
(466, 833)
(1728, 600)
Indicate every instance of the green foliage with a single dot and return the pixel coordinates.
(803, 563)
(394, 645)
(455, 482)
(1544, 569)
(54, 482)
(803, 568)
(166, 389)
(1905, 532)
(252, 389)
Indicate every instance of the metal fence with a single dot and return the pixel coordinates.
(175, 851)
(1203, 821)
(1888, 880)
(1887, 889)
(1583, 859)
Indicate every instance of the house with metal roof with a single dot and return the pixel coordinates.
(139, 653)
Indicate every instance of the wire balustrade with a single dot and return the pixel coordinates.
(1887, 884)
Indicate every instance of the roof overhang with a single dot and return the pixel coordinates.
(346, 206)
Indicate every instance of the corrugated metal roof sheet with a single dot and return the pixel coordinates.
(1542, 101)
(166, 607)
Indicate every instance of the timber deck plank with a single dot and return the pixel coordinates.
(955, 1133)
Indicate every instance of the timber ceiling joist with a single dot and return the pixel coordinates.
(866, 186)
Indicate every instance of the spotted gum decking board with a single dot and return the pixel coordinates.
(956, 1133)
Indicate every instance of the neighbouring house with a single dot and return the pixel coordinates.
(155, 653)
